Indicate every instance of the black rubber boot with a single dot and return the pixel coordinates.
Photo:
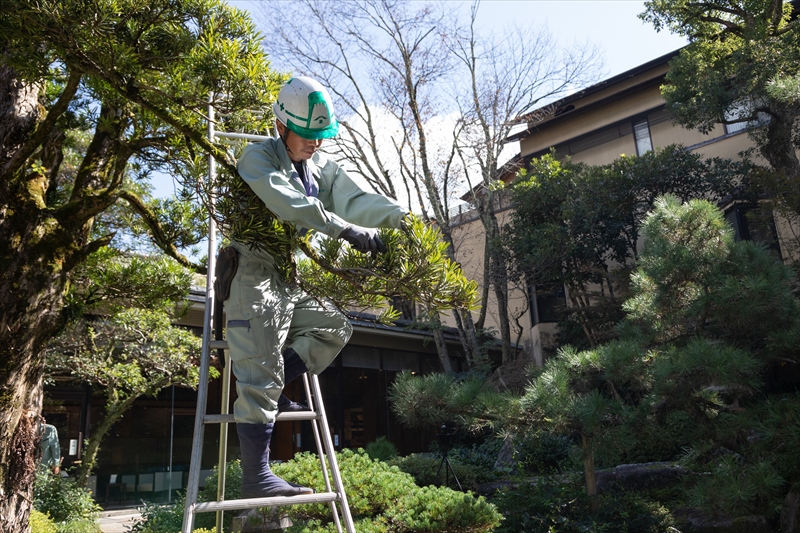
(258, 481)
(293, 368)
(285, 405)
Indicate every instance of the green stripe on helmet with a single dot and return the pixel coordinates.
(321, 126)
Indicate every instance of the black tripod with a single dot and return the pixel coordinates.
(445, 439)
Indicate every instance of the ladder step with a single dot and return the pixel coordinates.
(218, 345)
(275, 501)
(282, 417)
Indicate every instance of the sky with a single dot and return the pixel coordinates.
(624, 40)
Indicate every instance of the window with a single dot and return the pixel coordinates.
(548, 302)
(641, 134)
(743, 109)
(752, 224)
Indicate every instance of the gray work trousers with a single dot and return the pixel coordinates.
(265, 316)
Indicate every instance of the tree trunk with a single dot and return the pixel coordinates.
(779, 151)
(113, 413)
(441, 346)
(499, 272)
(32, 284)
(27, 298)
(35, 256)
(588, 467)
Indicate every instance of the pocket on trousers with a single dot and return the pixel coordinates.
(241, 339)
(250, 335)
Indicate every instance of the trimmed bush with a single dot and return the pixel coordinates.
(385, 500)
(424, 468)
(563, 507)
(381, 449)
(382, 499)
(439, 509)
(80, 525)
(41, 523)
(160, 518)
(63, 500)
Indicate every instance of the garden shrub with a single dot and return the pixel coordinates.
(168, 518)
(63, 500)
(381, 449)
(563, 507)
(545, 453)
(480, 458)
(365, 525)
(160, 518)
(424, 468)
(80, 525)
(439, 509)
(41, 523)
(382, 499)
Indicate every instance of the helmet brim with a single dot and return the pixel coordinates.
(314, 134)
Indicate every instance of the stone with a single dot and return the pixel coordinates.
(505, 459)
(691, 520)
(640, 476)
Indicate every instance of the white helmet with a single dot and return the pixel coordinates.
(305, 107)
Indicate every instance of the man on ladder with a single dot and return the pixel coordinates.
(275, 331)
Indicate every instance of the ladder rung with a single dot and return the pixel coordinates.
(282, 417)
(275, 501)
(218, 345)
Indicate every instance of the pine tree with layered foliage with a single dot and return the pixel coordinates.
(710, 324)
(125, 345)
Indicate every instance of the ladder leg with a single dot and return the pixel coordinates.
(202, 399)
(205, 354)
(331, 453)
(222, 465)
(321, 452)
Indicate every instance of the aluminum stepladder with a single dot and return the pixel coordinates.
(334, 495)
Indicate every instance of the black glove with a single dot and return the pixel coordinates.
(363, 239)
(405, 223)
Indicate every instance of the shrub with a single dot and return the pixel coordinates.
(168, 518)
(159, 518)
(41, 523)
(386, 500)
(63, 500)
(424, 469)
(381, 449)
(545, 453)
(80, 525)
(438, 509)
(366, 525)
(563, 507)
(479, 458)
(382, 499)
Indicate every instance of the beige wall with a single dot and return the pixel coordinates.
(469, 243)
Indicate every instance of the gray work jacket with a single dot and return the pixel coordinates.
(268, 170)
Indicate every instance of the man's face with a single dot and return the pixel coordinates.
(299, 149)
